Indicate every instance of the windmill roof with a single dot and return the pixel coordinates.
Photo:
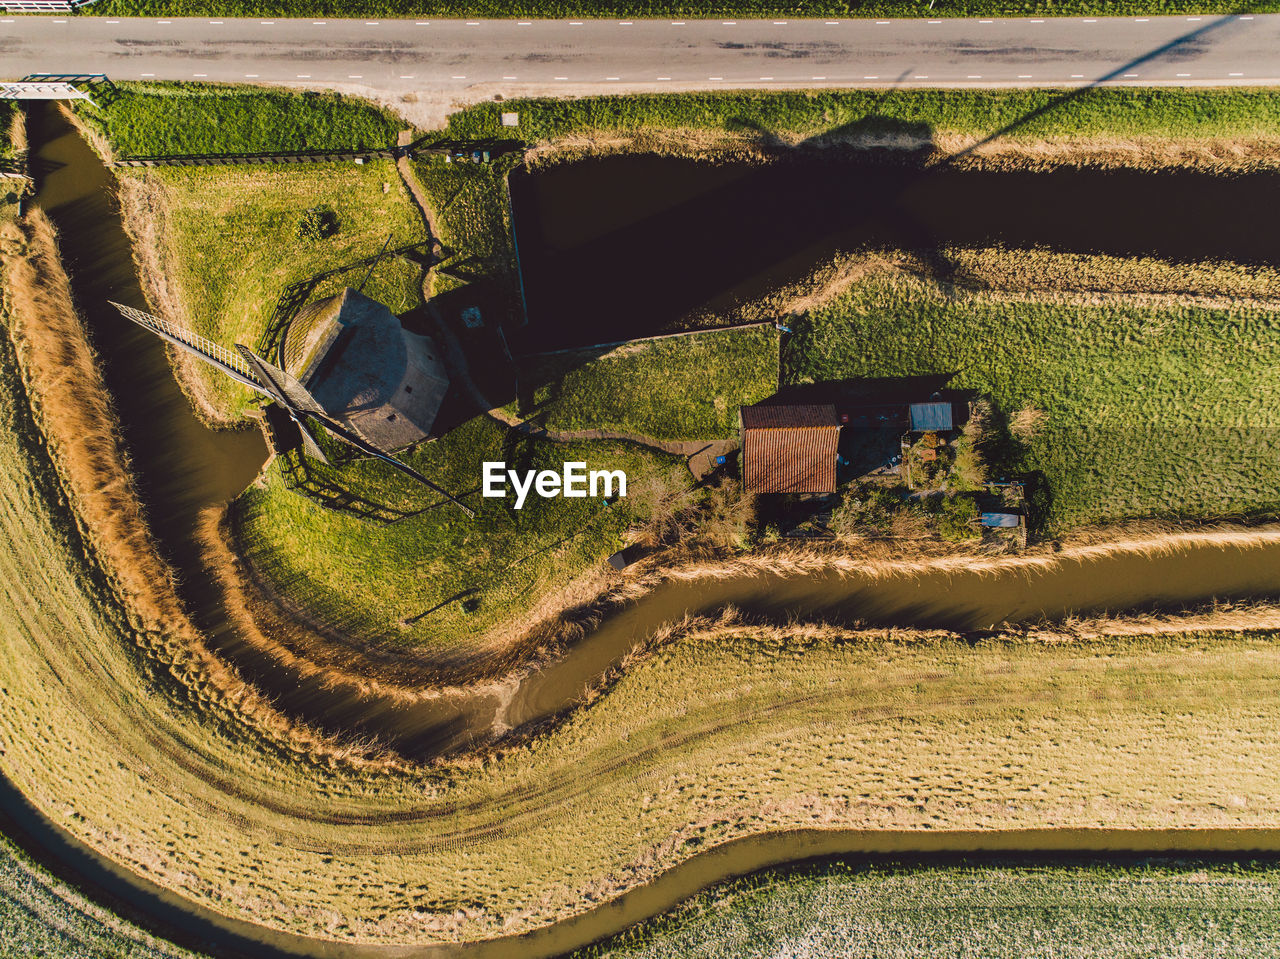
(361, 365)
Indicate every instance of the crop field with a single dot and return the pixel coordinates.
(172, 119)
(442, 579)
(1019, 115)
(234, 259)
(687, 387)
(1143, 411)
(663, 8)
(994, 910)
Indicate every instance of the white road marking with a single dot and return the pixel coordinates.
(562, 78)
(664, 78)
(318, 23)
(766, 78)
(1184, 74)
(1143, 20)
(779, 23)
(59, 21)
(525, 23)
(215, 23)
(158, 21)
(871, 78)
(1246, 18)
(1192, 19)
(1035, 21)
(371, 23)
(145, 74)
(817, 78)
(508, 78)
(473, 23)
(922, 77)
(251, 76)
(935, 21)
(1091, 21)
(422, 23)
(612, 78)
(715, 78)
(882, 23)
(456, 77)
(304, 76)
(1130, 76)
(677, 23)
(986, 21)
(1077, 76)
(1235, 74)
(575, 23)
(729, 23)
(406, 77)
(199, 74)
(833, 23)
(975, 76)
(266, 23)
(625, 23)
(1024, 76)
(355, 76)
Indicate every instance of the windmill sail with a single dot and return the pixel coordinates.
(245, 366)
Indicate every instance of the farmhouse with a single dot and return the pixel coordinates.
(360, 363)
(789, 448)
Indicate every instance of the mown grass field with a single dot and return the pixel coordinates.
(41, 916)
(979, 911)
(174, 119)
(687, 387)
(1162, 410)
(1025, 114)
(228, 245)
(665, 8)
(439, 579)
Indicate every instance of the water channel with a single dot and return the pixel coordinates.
(183, 467)
(625, 246)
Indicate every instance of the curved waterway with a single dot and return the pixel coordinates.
(183, 467)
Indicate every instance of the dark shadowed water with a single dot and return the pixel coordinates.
(618, 247)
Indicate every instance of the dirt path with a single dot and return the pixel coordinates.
(699, 455)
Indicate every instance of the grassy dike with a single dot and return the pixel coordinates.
(994, 910)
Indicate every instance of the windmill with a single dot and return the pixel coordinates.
(354, 372)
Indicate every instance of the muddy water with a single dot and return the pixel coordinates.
(659, 238)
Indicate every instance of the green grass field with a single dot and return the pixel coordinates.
(687, 387)
(478, 572)
(231, 253)
(1149, 411)
(666, 8)
(162, 119)
(845, 910)
(1029, 114)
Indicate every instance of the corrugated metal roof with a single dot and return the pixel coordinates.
(790, 449)
(931, 416)
(777, 416)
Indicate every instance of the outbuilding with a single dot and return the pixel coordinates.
(790, 448)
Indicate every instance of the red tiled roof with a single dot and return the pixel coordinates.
(790, 449)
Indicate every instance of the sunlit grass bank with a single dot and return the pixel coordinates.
(995, 910)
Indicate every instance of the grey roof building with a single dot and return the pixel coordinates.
(361, 365)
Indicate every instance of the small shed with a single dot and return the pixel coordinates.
(362, 365)
(932, 416)
(790, 449)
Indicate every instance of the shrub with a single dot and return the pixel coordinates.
(957, 519)
(866, 511)
(318, 223)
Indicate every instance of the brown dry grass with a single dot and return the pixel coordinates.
(73, 409)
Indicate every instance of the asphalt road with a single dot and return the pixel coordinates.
(401, 56)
